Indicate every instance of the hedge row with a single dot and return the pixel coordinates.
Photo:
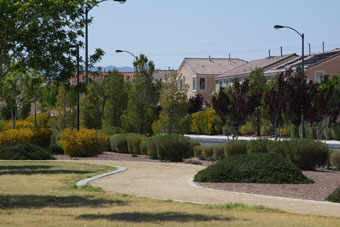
(306, 154)
(209, 152)
(171, 147)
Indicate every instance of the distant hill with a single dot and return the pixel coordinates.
(111, 67)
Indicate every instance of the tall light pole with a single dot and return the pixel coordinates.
(302, 35)
(87, 10)
(77, 99)
(125, 51)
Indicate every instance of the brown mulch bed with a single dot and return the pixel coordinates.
(326, 181)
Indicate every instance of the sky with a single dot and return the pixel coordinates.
(167, 31)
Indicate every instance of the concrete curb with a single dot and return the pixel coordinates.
(87, 180)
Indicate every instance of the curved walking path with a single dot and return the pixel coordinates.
(172, 182)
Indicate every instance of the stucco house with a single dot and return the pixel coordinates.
(243, 71)
(316, 65)
(199, 73)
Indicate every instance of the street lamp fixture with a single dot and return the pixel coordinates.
(302, 35)
(125, 51)
(87, 38)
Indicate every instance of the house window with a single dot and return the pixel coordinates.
(181, 85)
(221, 83)
(194, 84)
(202, 84)
(319, 76)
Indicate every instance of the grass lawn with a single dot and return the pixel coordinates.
(42, 193)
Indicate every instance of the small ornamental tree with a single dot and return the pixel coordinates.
(174, 103)
(242, 104)
(195, 103)
(221, 104)
(116, 95)
(258, 85)
(274, 102)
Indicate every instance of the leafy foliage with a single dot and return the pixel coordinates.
(24, 151)
(253, 168)
(334, 196)
(195, 103)
(235, 147)
(258, 146)
(335, 159)
(172, 147)
(206, 122)
(116, 99)
(143, 99)
(174, 103)
(42, 119)
(110, 131)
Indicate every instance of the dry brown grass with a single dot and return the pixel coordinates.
(43, 194)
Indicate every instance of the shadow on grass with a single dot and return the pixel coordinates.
(13, 167)
(35, 201)
(32, 172)
(154, 217)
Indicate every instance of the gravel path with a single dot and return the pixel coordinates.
(172, 181)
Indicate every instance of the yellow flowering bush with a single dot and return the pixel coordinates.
(18, 124)
(42, 119)
(206, 122)
(38, 136)
(83, 143)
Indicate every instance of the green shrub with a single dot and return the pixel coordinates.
(172, 147)
(253, 168)
(335, 196)
(198, 152)
(42, 119)
(24, 151)
(55, 137)
(294, 132)
(247, 129)
(258, 145)
(133, 141)
(219, 152)
(280, 147)
(143, 147)
(192, 144)
(120, 143)
(335, 159)
(111, 131)
(235, 147)
(55, 149)
(308, 154)
(152, 147)
(208, 153)
(112, 142)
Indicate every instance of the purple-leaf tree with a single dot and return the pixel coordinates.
(221, 104)
(195, 103)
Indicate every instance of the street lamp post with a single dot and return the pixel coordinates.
(125, 51)
(87, 10)
(78, 71)
(302, 35)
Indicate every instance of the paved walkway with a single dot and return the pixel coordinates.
(172, 181)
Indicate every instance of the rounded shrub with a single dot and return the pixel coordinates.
(133, 141)
(334, 196)
(247, 129)
(83, 143)
(18, 124)
(37, 136)
(192, 144)
(172, 147)
(308, 154)
(152, 147)
(218, 152)
(208, 153)
(24, 151)
(143, 147)
(120, 143)
(55, 149)
(253, 168)
(280, 147)
(258, 145)
(335, 159)
(112, 142)
(235, 147)
(206, 122)
(110, 131)
(198, 152)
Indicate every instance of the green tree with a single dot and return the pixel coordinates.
(116, 99)
(91, 107)
(174, 104)
(258, 85)
(48, 96)
(18, 89)
(65, 110)
(143, 98)
(38, 34)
